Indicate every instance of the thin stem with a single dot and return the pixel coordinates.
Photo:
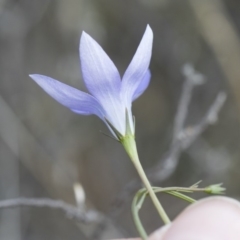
(182, 196)
(138, 202)
(153, 196)
(130, 147)
(137, 221)
(179, 189)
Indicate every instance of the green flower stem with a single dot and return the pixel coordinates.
(212, 189)
(138, 202)
(136, 206)
(129, 144)
(182, 196)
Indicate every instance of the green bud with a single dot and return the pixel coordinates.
(215, 189)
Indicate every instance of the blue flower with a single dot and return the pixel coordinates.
(111, 98)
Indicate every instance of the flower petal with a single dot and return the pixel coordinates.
(138, 66)
(102, 79)
(99, 72)
(142, 86)
(78, 101)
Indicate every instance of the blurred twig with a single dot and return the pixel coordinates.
(192, 79)
(70, 210)
(168, 164)
(183, 137)
(190, 134)
(186, 137)
(42, 168)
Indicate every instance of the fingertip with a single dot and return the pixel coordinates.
(159, 234)
(210, 218)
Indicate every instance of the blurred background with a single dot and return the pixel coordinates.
(45, 148)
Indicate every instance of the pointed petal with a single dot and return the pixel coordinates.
(99, 72)
(78, 101)
(142, 86)
(102, 80)
(138, 66)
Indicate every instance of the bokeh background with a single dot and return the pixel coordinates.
(45, 148)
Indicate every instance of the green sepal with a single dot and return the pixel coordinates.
(215, 189)
(117, 133)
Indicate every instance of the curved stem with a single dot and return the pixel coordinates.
(137, 221)
(153, 196)
(138, 202)
(130, 147)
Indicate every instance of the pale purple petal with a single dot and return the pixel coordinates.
(99, 72)
(142, 86)
(138, 66)
(78, 101)
(102, 79)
